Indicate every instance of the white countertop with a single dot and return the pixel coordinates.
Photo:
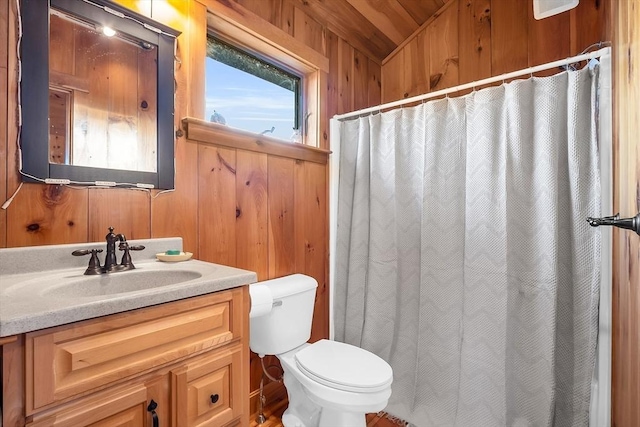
(31, 300)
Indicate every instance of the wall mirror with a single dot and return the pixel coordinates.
(97, 95)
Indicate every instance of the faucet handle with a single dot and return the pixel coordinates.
(126, 263)
(94, 263)
(123, 246)
(81, 252)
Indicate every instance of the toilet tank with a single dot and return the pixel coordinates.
(288, 324)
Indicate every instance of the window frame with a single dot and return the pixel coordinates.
(261, 39)
(299, 83)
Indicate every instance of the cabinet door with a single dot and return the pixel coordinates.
(122, 407)
(209, 390)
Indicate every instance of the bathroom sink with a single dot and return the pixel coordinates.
(117, 283)
(45, 286)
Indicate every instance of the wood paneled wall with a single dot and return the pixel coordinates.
(268, 214)
(469, 40)
(626, 200)
(353, 81)
(50, 214)
(42, 214)
(237, 207)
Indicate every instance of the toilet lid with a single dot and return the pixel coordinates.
(344, 366)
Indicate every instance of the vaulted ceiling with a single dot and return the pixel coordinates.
(376, 27)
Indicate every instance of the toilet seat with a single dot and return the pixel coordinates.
(344, 367)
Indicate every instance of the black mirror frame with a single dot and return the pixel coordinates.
(35, 93)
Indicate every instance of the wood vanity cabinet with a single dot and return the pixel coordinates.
(186, 361)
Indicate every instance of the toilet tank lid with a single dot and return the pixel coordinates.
(289, 285)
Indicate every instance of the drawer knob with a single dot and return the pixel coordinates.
(214, 398)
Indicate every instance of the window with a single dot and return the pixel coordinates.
(245, 92)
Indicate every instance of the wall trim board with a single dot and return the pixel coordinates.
(216, 134)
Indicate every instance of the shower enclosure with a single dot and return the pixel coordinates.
(461, 254)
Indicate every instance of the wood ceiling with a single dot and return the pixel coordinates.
(376, 27)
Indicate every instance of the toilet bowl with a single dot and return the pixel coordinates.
(343, 383)
(329, 384)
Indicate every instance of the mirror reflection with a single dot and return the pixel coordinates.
(102, 96)
(97, 104)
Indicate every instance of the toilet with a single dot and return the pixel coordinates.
(329, 384)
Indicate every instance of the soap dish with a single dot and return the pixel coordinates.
(183, 256)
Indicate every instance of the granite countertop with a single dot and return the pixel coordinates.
(37, 298)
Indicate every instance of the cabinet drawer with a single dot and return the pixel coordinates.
(69, 360)
(126, 407)
(208, 391)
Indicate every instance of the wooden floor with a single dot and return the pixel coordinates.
(273, 418)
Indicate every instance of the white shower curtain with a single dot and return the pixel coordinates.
(463, 256)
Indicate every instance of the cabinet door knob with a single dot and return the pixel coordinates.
(214, 398)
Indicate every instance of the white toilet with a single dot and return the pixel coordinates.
(330, 384)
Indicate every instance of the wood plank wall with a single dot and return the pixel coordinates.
(469, 43)
(626, 245)
(256, 211)
(50, 215)
(469, 40)
(353, 79)
(476, 39)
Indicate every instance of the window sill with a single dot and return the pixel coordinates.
(213, 133)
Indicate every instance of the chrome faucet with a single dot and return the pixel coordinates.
(110, 261)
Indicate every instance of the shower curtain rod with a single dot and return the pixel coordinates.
(530, 70)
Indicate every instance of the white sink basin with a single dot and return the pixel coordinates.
(117, 283)
(73, 284)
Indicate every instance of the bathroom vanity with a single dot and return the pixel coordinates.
(175, 354)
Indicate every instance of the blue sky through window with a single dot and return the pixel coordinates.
(248, 102)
